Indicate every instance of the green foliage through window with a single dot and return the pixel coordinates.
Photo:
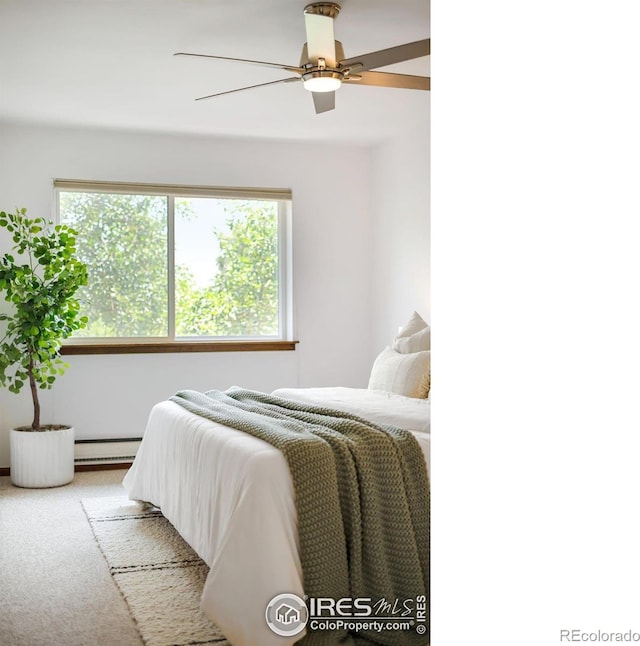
(224, 266)
(123, 240)
(242, 297)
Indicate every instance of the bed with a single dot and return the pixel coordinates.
(230, 496)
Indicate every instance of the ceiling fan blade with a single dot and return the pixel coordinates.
(249, 87)
(324, 101)
(288, 68)
(320, 39)
(385, 79)
(384, 57)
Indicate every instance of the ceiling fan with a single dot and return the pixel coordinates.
(323, 67)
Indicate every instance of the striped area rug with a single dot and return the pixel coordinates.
(159, 575)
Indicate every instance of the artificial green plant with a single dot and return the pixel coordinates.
(39, 282)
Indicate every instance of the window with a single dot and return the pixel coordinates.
(180, 264)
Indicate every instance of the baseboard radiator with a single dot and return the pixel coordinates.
(106, 451)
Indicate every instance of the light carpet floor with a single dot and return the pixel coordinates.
(159, 575)
(56, 588)
(55, 585)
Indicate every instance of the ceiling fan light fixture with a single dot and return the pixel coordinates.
(323, 67)
(322, 81)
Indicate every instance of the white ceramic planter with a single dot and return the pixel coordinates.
(42, 458)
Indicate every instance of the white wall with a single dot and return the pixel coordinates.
(401, 226)
(332, 236)
(361, 260)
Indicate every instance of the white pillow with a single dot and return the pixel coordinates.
(415, 336)
(403, 374)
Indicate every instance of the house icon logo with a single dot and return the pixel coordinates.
(286, 615)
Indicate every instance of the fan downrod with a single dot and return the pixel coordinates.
(329, 9)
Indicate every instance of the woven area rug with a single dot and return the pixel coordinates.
(159, 575)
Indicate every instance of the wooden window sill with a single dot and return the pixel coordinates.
(177, 346)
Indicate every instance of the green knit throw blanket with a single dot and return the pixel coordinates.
(362, 500)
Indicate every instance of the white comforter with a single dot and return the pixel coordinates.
(230, 496)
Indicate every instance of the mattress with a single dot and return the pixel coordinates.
(230, 496)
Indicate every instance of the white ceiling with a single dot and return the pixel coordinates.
(109, 63)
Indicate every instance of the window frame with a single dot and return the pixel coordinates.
(172, 343)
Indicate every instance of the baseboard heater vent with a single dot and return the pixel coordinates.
(106, 451)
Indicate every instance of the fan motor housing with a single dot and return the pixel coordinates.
(304, 55)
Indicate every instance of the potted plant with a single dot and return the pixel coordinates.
(39, 283)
